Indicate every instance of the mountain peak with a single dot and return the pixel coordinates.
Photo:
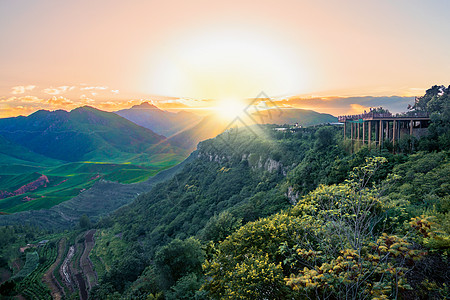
(145, 105)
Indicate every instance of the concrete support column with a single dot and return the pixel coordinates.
(358, 130)
(393, 135)
(380, 137)
(351, 131)
(369, 139)
(345, 127)
(364, 132)
(411, 127)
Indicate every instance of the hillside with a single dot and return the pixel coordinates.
(73, 150)
(84, 134)
(236, 186)
(160, 121)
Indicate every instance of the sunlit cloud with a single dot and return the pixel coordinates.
(357, 109)
(59, 101)
(86, 99)
(86, 88)
(115, 91)
(346, 105)
(7, 111)
(21, 89)
(31, 99)
(58, 90)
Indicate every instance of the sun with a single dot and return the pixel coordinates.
(230, 108)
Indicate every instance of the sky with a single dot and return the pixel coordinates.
(325, 54)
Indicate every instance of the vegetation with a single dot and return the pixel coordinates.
(258, 213)
(73, 150)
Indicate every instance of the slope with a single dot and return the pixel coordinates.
(84, 134)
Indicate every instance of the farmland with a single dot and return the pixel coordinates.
(20, 188)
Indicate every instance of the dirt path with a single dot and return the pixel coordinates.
(81, 286)
(48, 278)
(65, 268)
(85, 263)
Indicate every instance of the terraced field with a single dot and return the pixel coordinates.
(24, 187)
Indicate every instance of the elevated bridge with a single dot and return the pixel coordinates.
(374, 128)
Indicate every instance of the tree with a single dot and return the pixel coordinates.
(179, 258)
(220, 226)
(85, 222)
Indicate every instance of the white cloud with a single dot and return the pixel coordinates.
(93, 88)
(115, 91)
(58, 90)
(21, 89)
(58, 101)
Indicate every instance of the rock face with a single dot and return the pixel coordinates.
(292, 196)
(41, 181)
(268, 164)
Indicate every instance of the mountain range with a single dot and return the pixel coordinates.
(75, 149)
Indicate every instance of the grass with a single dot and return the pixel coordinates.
(69, 180)
(109, 247)
(31, 263)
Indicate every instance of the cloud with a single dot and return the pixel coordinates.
(57, 101)
(115, 91)
(31, 99)
(357, 109)
(85, 99)
(58, 90)
(7, 111)
(344, 105)
(93, 88)
(21, 89)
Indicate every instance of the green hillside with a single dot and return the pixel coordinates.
(100, 145)
(86, 134)
(294, 208)
(259, 213)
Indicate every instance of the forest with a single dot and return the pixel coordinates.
(259, 213)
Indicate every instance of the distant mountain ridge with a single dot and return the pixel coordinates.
(160, 121)
(303, 117)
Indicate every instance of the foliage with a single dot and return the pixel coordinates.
(85, 222)
(179, 258)
(331, 244)
(220, 226)
(437, 102)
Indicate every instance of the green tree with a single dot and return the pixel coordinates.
(85, 222)
(179, 258)
(220, 226)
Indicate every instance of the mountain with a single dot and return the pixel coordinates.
(303, 117)
(160, 121)
(84, 134)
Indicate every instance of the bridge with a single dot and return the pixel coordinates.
(374, 128)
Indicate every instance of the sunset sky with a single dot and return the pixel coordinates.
(180, 54)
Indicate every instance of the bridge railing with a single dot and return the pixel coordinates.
(414, 114)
